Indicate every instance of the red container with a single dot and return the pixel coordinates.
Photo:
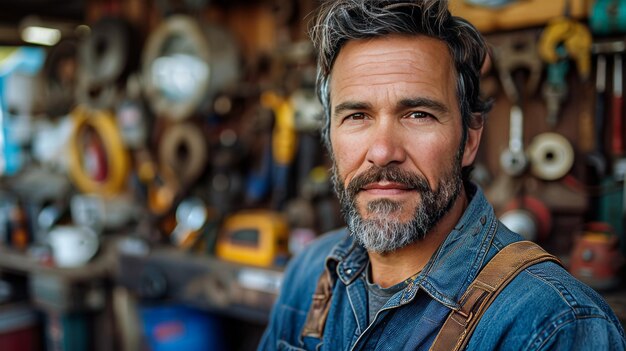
(19, 328)
(595, 258)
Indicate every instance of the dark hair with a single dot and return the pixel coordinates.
(338, 21)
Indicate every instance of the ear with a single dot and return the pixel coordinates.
(471, 145)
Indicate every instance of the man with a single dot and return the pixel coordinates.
(400, 85)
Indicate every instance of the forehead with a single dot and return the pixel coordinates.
(398, 60)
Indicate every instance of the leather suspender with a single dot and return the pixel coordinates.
(458, 327)
(318, 312)
(503, 267)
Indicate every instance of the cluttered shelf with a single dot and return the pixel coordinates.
(162, 273)
(166, 273)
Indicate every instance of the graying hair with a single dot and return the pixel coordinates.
(338, 21)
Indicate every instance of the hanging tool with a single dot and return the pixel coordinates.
(617, 141)
(284, 143)
(592, 128)
(563, 38)
(619, 164)
(606, 203)
(575, 38)
(554, 90)
(514, 52)
(608, 17)
(617, 209)
(191, 216)
(596, 158)
(513, 160)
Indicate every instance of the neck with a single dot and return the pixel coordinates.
(394, 267)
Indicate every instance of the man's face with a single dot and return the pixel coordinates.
(396, 138)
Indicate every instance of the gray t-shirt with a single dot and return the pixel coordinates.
(378, 296)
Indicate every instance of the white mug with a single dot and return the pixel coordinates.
(72, 246)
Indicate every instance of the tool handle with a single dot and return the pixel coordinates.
(600, 110)
(516, 129)
(617, 139)
(618, 85)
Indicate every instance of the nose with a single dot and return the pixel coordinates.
(386, 146)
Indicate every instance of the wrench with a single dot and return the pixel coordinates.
(513, 53)
(554, 90)
(513, 160)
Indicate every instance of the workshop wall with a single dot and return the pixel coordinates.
(161, 163)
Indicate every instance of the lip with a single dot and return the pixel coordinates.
(386, 188)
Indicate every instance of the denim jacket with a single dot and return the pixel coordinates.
(543, 308)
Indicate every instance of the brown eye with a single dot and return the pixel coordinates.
(356, 117)
(419, 115)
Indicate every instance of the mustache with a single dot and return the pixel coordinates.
(390, 174)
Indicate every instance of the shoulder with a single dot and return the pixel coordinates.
(544, 307)
(299, 283)
(304, 270)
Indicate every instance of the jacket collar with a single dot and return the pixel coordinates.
(451, 268)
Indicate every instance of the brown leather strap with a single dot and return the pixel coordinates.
(318, 312)
(498, 272)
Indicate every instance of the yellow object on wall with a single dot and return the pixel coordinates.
(520, 14)
(256, 238)
(117, 163)
(285, 138)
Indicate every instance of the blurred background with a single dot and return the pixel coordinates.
(160, 160)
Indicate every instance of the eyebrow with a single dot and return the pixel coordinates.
(351, 106)
(402, 104)
(423, 102)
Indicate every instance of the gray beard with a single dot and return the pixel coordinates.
(382, 232)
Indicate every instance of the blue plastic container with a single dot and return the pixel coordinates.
(177, 328)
